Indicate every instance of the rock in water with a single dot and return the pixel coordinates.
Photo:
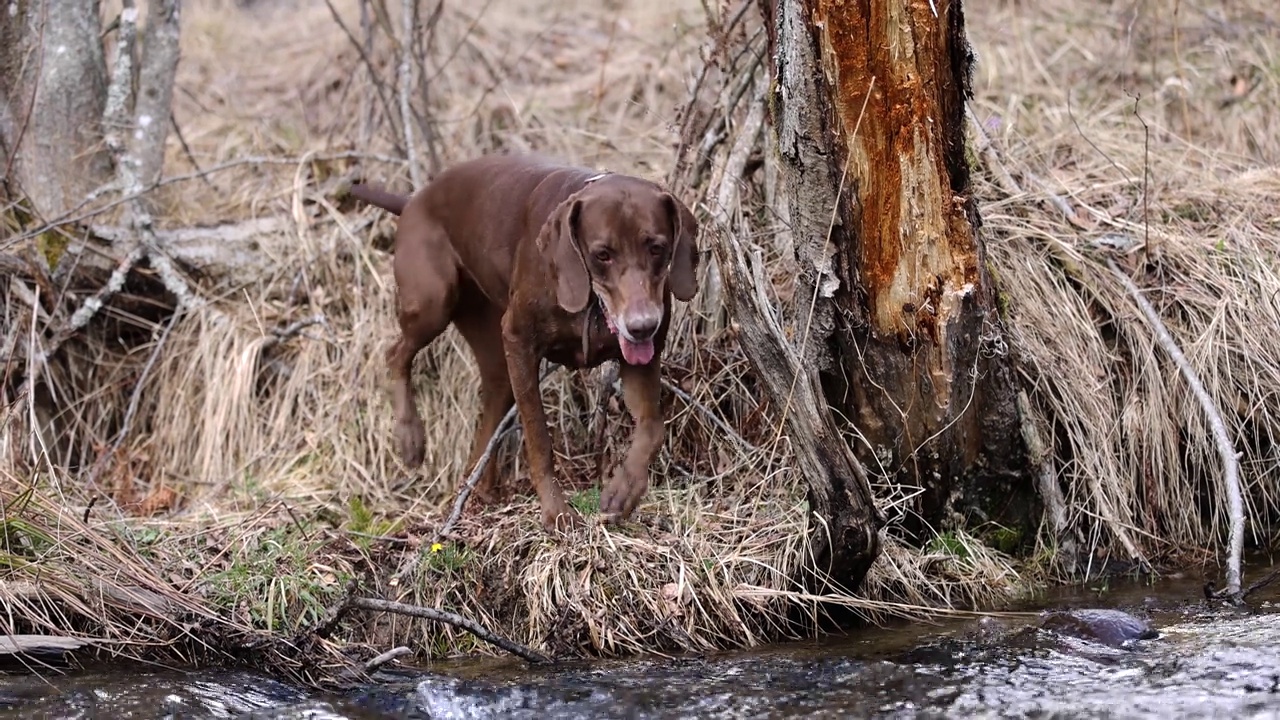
(1112, 627)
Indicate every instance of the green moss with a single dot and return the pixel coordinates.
(52, 245)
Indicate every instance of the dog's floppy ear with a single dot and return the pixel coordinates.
(684, 254)
(559, 241)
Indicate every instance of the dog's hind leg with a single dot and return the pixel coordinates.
(426, 293)
(482, 329)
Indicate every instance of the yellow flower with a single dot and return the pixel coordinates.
(436, 547)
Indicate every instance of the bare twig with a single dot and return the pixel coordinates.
(186, 150)
(464, 492)
(1041, 457)
(379, 86)
(708, 414)
(1064, 254)
(324, 627)
(132, 409)
(91, 305)
(426, 613)
(1226, 450)
(1260, 584)
(280, 335)
(70, 217)
(386, 657)
(508, 423)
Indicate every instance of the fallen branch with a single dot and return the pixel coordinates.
(426, 613)
(1226, 450)
(71, 217)
(464, 492)
(386, 657)
(1260, 584)
(92, 304)
(357, 673)
(1041, 456)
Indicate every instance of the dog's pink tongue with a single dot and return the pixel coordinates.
(636, 353)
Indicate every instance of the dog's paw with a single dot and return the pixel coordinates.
(409, 437)
(559, 517)
(622, 494)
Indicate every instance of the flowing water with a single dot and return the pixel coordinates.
(1203, 663)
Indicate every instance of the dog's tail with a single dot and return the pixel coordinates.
(373, 195)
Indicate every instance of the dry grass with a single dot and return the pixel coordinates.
(1154, 121)
(269, 468)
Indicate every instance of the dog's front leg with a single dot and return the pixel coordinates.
(523, 357)
(641, 389)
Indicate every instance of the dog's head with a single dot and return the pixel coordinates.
(626, 240)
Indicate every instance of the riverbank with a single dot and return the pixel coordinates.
(1204, 662)
(256, 481)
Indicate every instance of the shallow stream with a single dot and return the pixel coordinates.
(1205, 662)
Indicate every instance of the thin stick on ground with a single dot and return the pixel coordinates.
(457, 621)
(375, 663)
(1226, 450)
(464, 492)
(132, 408)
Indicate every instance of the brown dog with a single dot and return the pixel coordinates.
(531, 259)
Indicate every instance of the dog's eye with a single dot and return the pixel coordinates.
(603, 255)
(657, 249)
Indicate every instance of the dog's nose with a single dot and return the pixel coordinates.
(643, 328)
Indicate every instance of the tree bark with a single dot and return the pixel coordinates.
(895, 305)
(156, 73)
(53, 87)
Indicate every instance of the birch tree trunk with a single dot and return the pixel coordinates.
(896, 307)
